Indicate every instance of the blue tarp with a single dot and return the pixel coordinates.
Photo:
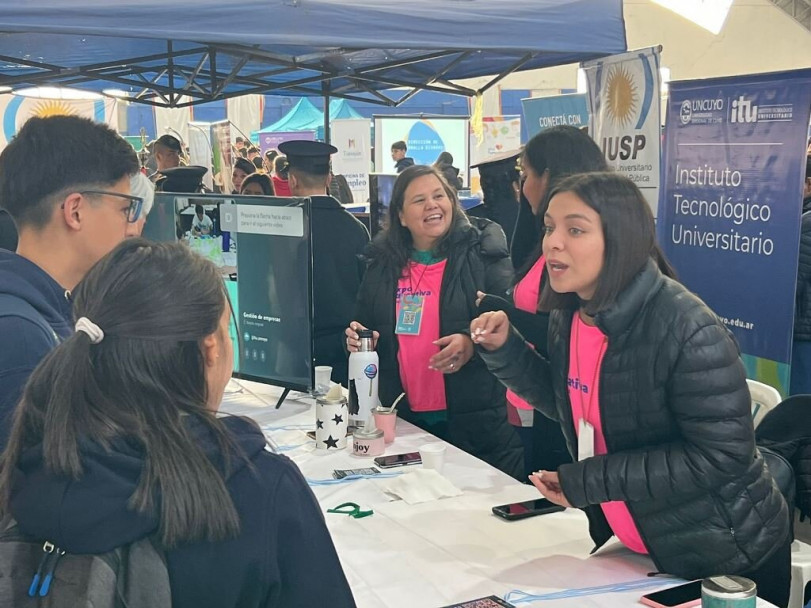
(222, 49)
(304, 116)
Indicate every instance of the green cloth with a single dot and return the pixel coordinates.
(424, 257)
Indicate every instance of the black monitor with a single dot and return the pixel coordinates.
(262, 246)
(380, 188)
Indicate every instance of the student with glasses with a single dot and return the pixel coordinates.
(67, 220)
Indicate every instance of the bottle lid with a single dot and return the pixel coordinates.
(365, 333)
(729, 587)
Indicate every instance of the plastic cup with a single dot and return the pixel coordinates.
(385, 421)
(323, 373)
(433, 456)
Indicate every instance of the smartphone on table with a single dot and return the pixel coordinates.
(680, 596)
(398, 460)
(528, 508)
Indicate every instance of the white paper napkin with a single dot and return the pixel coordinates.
(419, 485)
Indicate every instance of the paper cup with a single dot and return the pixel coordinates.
(386, 422)
(323, 373)
(433, 456)
(331, 421)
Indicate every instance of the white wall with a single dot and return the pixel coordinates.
(757, 37)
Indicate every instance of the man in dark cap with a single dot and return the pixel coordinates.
(167, 150)
(338, 240)
(182, 179)
(501, 188)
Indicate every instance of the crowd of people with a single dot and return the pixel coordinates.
(559, 348)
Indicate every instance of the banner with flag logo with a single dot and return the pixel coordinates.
(16, 109)
(624, 103)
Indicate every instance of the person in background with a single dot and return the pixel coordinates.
(418, 297)
(126, 409)
(280, 174)
(649, 388)
(66, 223)
(801, 346)
(242, 169)
(167, 151)
(253, 152)
(444, 164)
(500, 181)
(339, 189)
(547, 158)
(201, 224)
(398, 155)
(142, 187)
(338, 241)
(8, 232)
(257, 184)
(268, 159)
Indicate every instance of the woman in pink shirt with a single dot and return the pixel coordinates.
(547, 158)
(418, 295)
(650, 391)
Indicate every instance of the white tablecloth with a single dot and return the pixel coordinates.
(451, 550)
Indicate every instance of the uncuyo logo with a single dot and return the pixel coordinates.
(685, 112)
(370, 371)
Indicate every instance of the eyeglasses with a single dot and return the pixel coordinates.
(136, 202)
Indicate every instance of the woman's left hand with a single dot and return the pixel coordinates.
(455, 351)
(548, 484)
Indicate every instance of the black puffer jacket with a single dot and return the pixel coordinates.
(802, 311)
(477, 414)
(675, 413)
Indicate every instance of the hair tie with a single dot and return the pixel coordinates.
(91, 329)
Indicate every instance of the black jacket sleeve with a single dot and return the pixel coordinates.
(525, 235)
(310, 573)
(534, 327)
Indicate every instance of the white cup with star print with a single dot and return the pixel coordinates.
(331, 422)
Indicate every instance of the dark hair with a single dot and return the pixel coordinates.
(281, 166)
(262, 179)
(559, 152)
(83, 155)
(395, 243)
(629, 234)
(144, 383)
(253, 149)
(399, 145)
(244, 165)
(807, 167)
(271, 155)
(444, 158)
(199, 209)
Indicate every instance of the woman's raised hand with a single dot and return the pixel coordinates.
(490, 330)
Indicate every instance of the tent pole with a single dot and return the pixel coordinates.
(325, 86)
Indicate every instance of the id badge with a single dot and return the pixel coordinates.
(409, 318)
(585, 440)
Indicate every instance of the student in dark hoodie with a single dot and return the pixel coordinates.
(398, 155)
(125, 409)
(67, 218)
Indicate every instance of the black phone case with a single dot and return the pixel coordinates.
(533, 513)
(396, 464)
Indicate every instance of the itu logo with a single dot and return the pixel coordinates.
(685, 112)
(370, 371)
(742, 110)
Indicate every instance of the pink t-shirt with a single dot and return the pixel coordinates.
(425, 387)
(525, 297)
(587, 349)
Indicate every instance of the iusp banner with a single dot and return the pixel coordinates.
(353, 138)
(624, 103)
(729, 215)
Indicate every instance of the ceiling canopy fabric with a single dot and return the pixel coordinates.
(187, 52)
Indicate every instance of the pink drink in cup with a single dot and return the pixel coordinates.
(385, 420)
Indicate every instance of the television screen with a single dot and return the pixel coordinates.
(262, 247)
(380, 188)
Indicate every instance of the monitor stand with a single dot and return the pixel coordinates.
(284, 394)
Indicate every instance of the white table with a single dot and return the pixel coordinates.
(438, 553)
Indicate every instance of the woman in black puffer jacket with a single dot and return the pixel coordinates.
(651, 394)
(431, 255)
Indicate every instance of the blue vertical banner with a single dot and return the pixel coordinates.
(729, 210)
(544, 112)
(625, 107)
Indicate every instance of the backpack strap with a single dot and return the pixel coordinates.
(14, 306)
